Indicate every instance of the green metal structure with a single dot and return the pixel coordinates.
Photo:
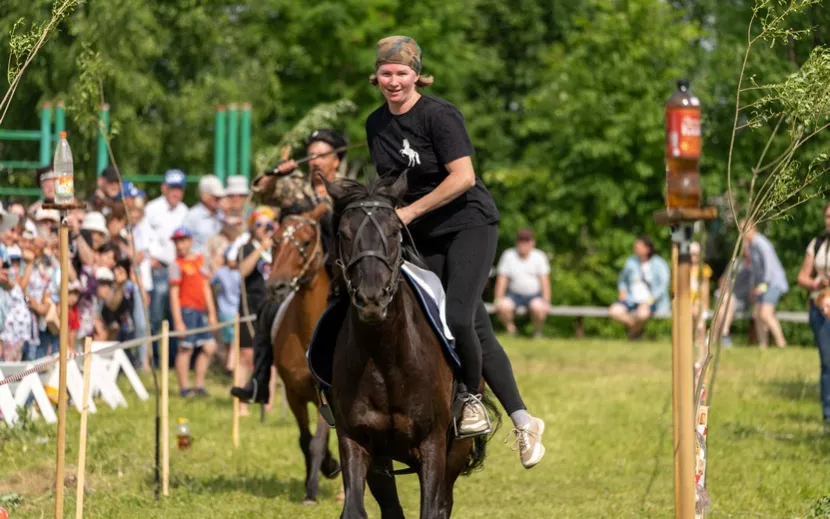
(46, 136)
(103, 129)
(231, 145)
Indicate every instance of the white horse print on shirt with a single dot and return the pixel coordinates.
(410, 154)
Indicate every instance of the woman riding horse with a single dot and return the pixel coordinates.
(454, 223)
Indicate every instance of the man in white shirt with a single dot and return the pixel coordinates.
(162, 216)
(523, 280)
(204, 219)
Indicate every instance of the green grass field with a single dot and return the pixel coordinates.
(607, 405)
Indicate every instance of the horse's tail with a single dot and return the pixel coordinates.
(475, 460)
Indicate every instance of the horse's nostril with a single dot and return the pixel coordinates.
(360, 299)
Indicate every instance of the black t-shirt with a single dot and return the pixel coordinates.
(422, 140)
(254, 282)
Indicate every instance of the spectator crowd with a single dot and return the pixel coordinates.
(132, 263)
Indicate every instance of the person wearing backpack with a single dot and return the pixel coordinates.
(814, 277)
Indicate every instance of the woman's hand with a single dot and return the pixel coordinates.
(405, 214)
(267, 242)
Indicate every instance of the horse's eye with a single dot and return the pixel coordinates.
(306, 243)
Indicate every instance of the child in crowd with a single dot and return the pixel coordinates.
(191, 306)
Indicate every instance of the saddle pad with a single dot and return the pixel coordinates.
(321, 350)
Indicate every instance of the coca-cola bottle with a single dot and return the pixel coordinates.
(683, 146)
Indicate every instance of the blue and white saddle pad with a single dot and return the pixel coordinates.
(430, 295)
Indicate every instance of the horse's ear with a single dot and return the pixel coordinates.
(397, 190)
(334, 189)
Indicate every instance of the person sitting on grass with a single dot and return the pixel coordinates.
(643, 288)
(192, 307)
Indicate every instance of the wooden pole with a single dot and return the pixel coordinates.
(165, 404)
(685, 446)
(675, 349)
(236, 381)
(79, 505)
(64, 351)
(681, 220)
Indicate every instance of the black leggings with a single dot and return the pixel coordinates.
(462, 261)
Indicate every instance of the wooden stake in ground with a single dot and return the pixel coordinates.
(684, 417)
(79, 499)
(64, 351)
(675, 378)
(236, 381)
(681, 221)
(165, 404)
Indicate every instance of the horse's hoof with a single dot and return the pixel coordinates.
(309, 502)
(330, 468)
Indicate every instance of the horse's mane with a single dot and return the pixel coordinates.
(354, 191)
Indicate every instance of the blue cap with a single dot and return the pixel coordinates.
(128, 188)
(174, 178)
(181, 232)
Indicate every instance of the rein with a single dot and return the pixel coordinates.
(394, 264)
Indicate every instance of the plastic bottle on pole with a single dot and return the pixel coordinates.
(683, 147)
(64, 172)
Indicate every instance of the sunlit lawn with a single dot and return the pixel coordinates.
(607, 405)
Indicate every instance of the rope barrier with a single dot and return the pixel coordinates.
(45, 365)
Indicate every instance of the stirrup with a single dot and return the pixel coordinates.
(325, 409)
(461, 401)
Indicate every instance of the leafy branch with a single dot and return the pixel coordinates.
(798, 106)
(321, 116)
(25, 44)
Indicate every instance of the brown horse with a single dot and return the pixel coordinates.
(392, 386)
(297, 267)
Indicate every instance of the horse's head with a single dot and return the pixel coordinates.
(297, 253)
(368, 242)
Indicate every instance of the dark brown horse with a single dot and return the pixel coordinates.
(392, 387)
(297, 267)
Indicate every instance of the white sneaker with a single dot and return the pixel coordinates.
(529, 442)
(474, 419)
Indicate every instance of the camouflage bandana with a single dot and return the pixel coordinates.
(402, 50)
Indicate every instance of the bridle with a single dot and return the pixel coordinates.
(289, 235)
(394, 264)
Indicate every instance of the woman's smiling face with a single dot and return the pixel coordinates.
(396, 82)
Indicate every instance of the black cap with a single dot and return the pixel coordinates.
(110, 175)
(330, 137)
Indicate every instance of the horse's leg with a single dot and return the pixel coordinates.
(456, 461)
(432, 475)
(317, 452)
(356, 462)
(300, 410)
(330, 467)
(384, 489)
